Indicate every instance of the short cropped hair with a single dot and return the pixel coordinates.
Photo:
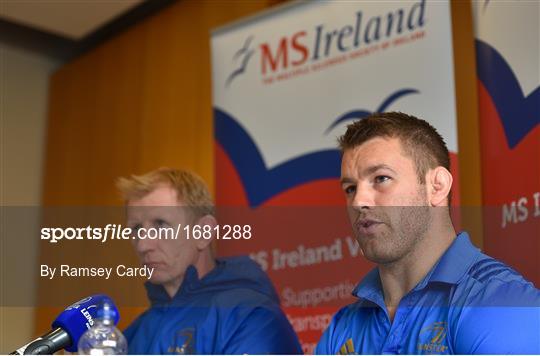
(419, 139)
(190, 188)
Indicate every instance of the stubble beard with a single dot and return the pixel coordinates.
(403, 228)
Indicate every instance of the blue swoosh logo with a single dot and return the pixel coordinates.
(261, 183)
(362, 113)
(246, 53)
(519, 114)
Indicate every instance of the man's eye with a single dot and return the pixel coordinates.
(381, 179)
(161, 223)
(349, 190)
(136, 228)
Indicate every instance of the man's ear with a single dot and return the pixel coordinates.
(211, 222)
(439, 182)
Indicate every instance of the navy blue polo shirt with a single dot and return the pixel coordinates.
(468, 303)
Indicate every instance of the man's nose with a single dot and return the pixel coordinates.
(142, 242)
(363, 198)
(144, 245)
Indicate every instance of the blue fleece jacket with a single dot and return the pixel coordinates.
(234, 309)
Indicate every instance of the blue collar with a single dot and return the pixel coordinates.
(370, 288)
(451, 267)
(456, 261)
(158, 295)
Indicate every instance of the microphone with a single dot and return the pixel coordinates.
(68, 327)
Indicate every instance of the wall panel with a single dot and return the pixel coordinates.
(137, 102)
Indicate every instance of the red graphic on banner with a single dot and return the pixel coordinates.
(511, 192)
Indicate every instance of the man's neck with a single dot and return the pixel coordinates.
(400, 277)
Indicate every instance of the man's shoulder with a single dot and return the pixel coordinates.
(242, 296)
(490, 282)
(487, 270)
(495, 310)
(239, 280)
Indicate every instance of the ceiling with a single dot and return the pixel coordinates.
(73, 19)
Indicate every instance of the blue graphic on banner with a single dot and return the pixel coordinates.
(261, 183)
(360, 114)
(519, 114)
(246, 53)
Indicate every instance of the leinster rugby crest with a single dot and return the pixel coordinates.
(183, 343)
(432, 339)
